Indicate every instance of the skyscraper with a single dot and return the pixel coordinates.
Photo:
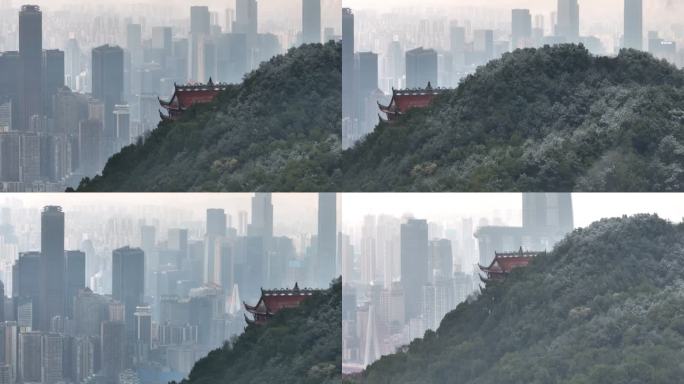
(483, 44)
(84, 358)
(199, 32)
(52, 348)
(90, 157)
(178, 241)
(31, 56)
(521, 30)
(242, 223)
(30, 356)
(11, 348)
(458, 46)
(72, 63)
(108, 87)
(327, 238)
(143, 324)
(441, 261)
(52, 265)
(568, 20)
(246, 18)
(53, 70)
(10, 155)
(347, 63)
(134, 43)
(113, 349)
(262, 216)
(143, 332)
(75, 278)
(162, 38)
(414, 265)
(634, 24)
(2, 310)
(128, 282)
(548, 212)
(421, 68)
(368, 73)
(216, 231)
(216, 222)
(10, 84)
(122, 131)
(311, 21)
(199, 20)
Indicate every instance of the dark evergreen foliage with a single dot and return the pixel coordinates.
(605, 306)
(279, 130)
(301, 345)
(547, 119)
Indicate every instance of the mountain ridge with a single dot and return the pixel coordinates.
(551, 119)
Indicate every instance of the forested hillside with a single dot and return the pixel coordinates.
(549, 119)
(279, 130)
(605, 306)
(302, 345)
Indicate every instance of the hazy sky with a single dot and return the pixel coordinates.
(451, 207)
(592, 10)
(284, 205)
(281, 10)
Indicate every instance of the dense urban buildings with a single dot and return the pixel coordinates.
(404, 274)
(119, 292)
(78, 85)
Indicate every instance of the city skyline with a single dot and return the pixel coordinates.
(153, 287)
(78, 84)
(392, 52)
(409, 259)
(597, 11)
(441, 207)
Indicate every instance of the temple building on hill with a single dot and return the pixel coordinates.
(504, 263)
(272, 301)
(185, 96)
(404, 100)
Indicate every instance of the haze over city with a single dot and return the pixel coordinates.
(409, 259)
(151, 282)
(601, 11)
(80, 82)
(413, 45)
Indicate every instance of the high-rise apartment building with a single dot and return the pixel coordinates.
(414, 265)
(311, 21)
(634, 24)
(128, 282)
(52, 300)
(421, 68)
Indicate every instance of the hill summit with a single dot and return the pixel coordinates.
(547, 119)
(301, 345)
